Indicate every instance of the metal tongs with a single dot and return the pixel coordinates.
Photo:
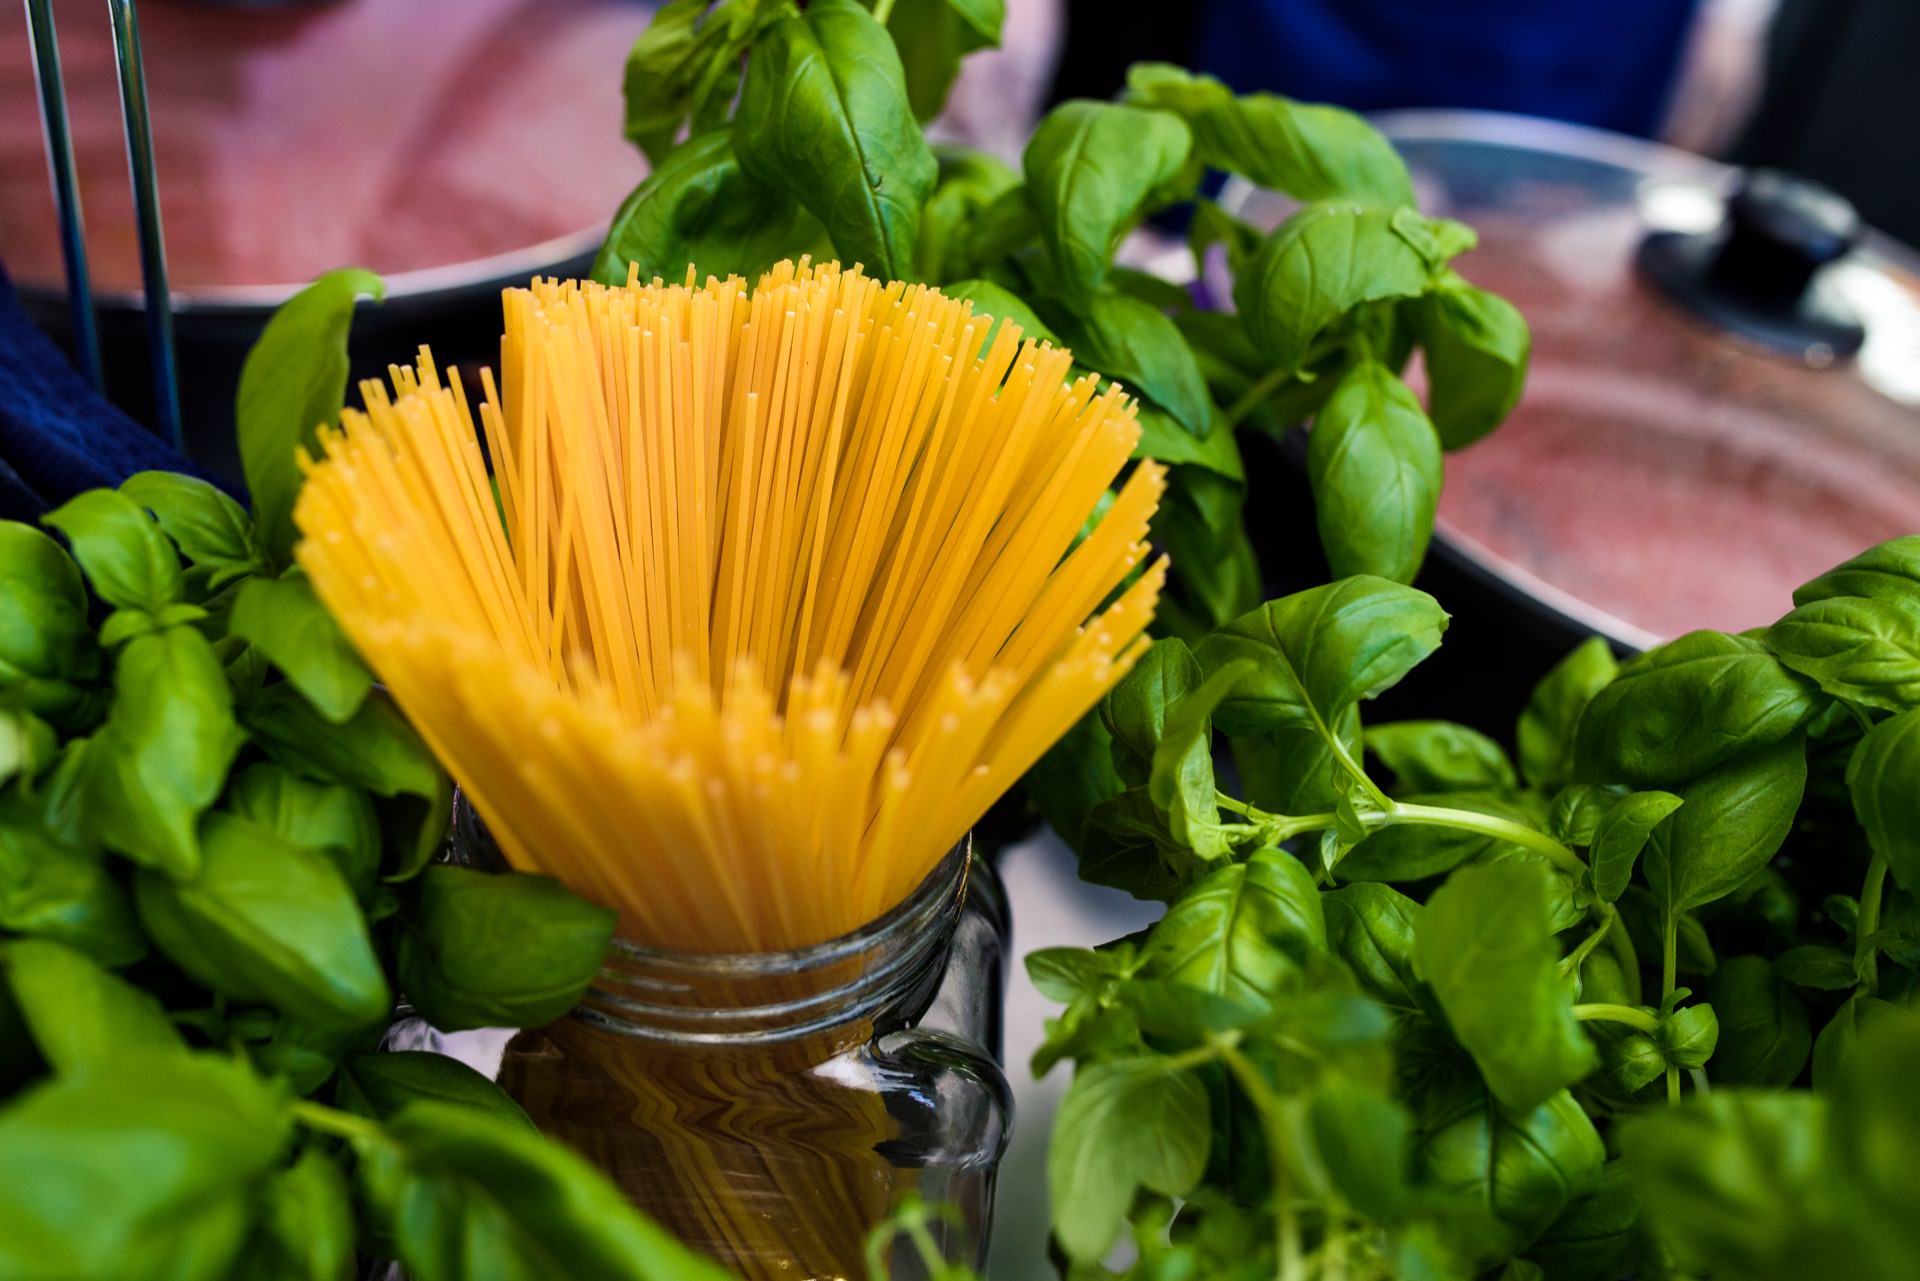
(146, 200)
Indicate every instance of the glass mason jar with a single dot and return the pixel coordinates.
(770, 1109)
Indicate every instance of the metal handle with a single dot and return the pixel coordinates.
(146, 202)
(146, 205)
(66, 186)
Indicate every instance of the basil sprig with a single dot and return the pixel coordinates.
(1407, 1022)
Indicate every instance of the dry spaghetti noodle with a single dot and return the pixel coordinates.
(739, 607)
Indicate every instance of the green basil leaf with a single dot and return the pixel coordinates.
(1631, 1062)
(1476, 347)
(123, 625)
(1004, 227)
(1645, 918)
(120, 1153)
(1136, 344)
(661, 69)
(1566, 907)
(1309, 152)
(1004, 306)
(1414, 851)
(1317, 266)
(1723, 1177)
(682, 62)
(294, 381)
(1889, 571)
(1688, 1036)
(1123, 1125)
(1094, 1027)
(380, 1085)
(210, 529)
(1440, 756)
(1883, 778)
(1125, 844)
(932, 36)
(293, 629)
(1135, 710)
(1294, 771)
(125, 556)
(1180, 780)
(1075, 775)
(1602, 978)
(1834, 1048)
(1621, 835)
(1872, 1127)
(1519, 1169)
(1692, 704)
(1161, 294)
(824, 116)
(508, 950)
(47, 648)
(1501, 989)
(1863, 650)
(1764, 1033)
(376, 751)
(478, 1195)
(970, 181)
(1574, 817)
(1199, 525)
(700, 209)
(305, 1230)
(267, 920)
(987, 18)
(1233, 367)
(1370, 927)
(1321, 651)
(1825, 969)
(1362, 1139)
(1090, 168)
(1178, 1016)
(1595, 1238)
(162, 756)
(1211, 225)
(1066, 974)
(1545, 736)
(305, 1055)
(331, 818)
(49, 890)
(1374, 463)
(79, 1014)
(1732, 821)
(1243, 931)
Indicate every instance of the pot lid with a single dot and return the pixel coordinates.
(1724, 397)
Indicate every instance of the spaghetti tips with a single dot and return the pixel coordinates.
(737, 608)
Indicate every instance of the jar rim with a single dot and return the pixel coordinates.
(941, 885)
(945, 882)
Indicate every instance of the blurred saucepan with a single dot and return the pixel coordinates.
(1695, 439)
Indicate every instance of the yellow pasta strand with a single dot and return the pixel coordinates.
(737, 608)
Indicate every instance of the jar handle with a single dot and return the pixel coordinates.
(972, 993)
(948, 1097)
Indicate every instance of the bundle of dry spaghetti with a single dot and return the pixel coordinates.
(766, 594)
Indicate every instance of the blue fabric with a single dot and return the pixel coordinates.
(1610, 64)
(57, 436)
